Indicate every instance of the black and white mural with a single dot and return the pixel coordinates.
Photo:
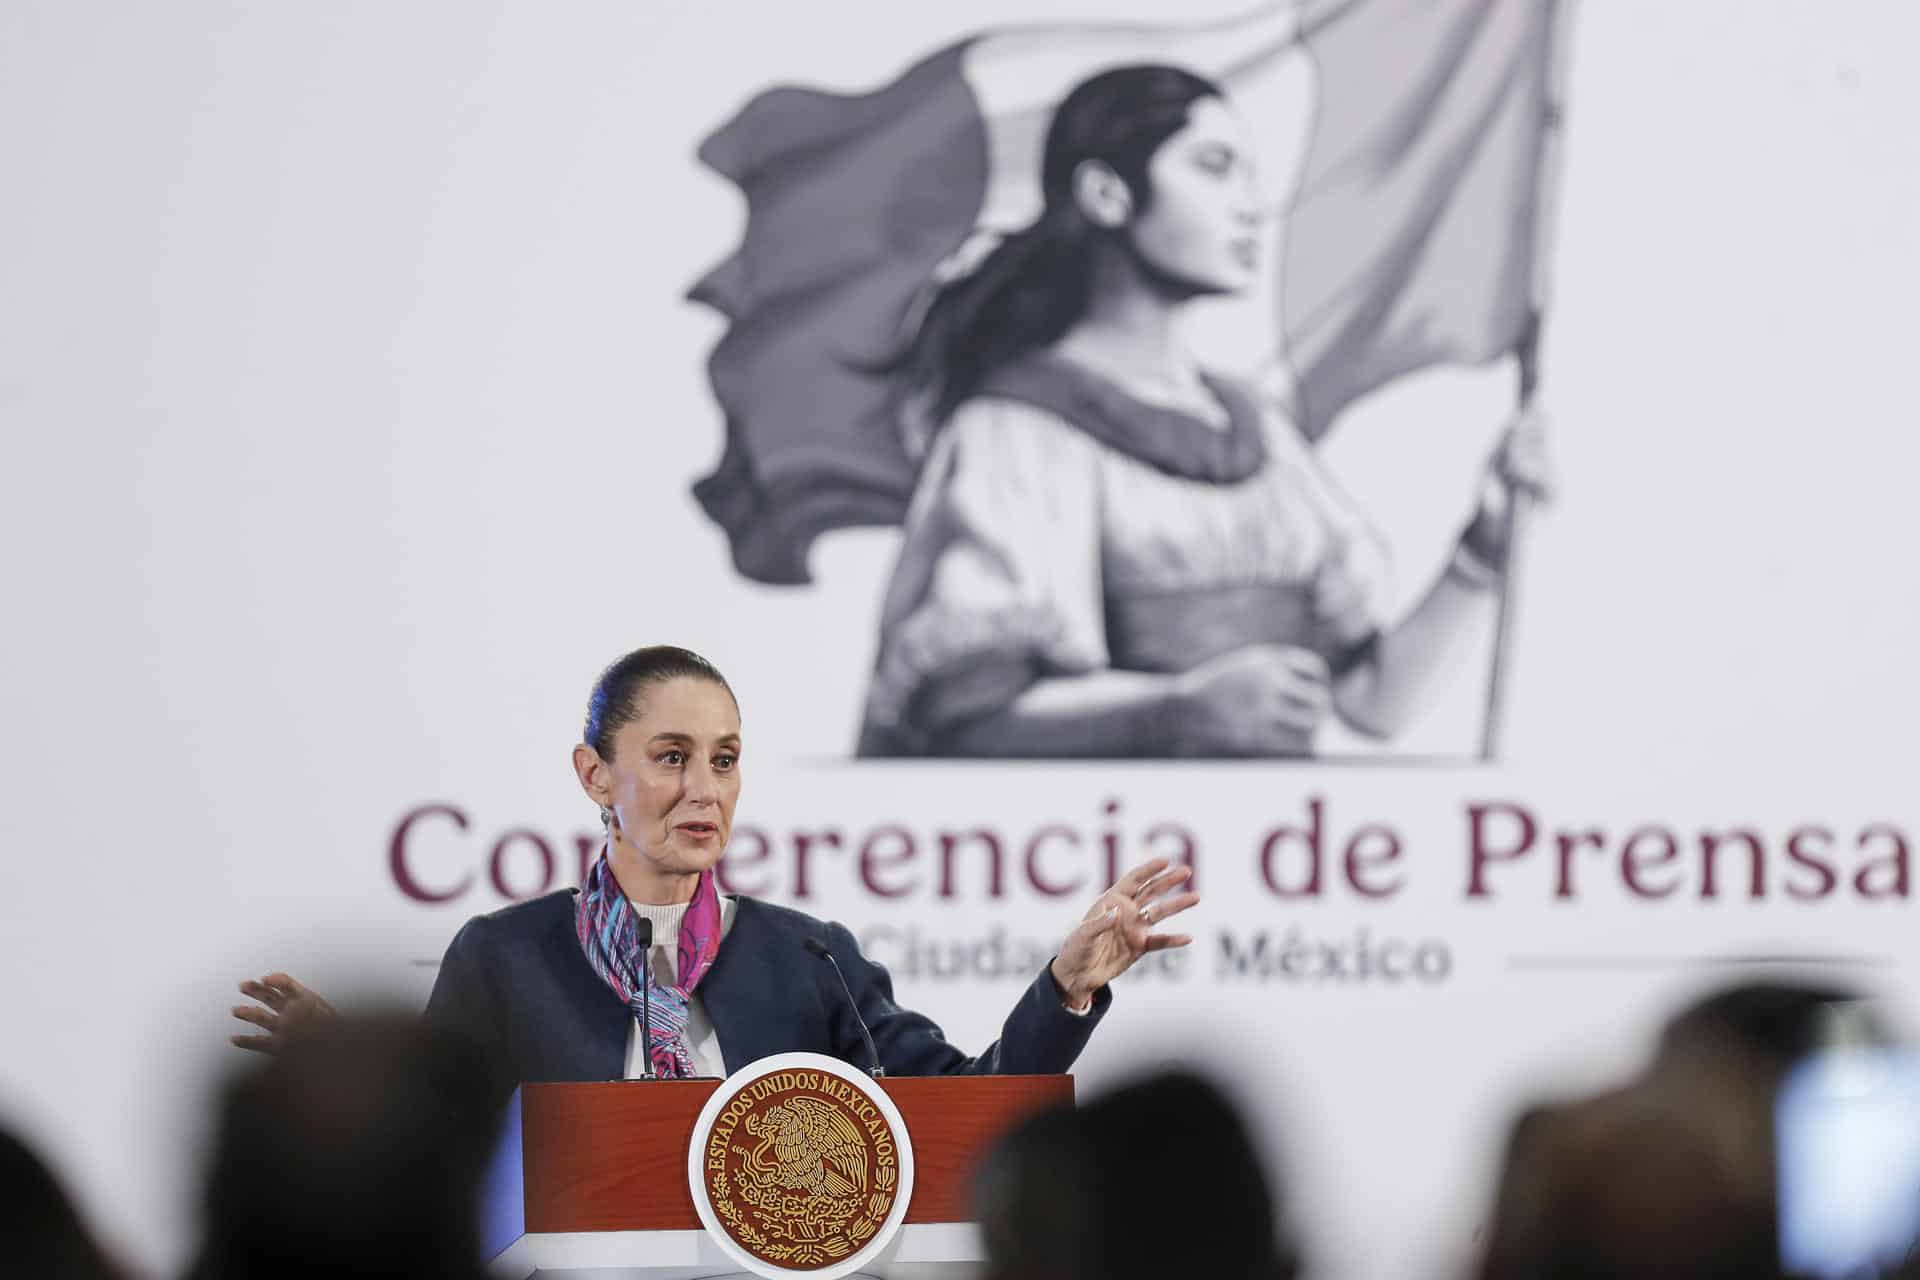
(962, 304)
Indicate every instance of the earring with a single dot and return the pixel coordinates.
(606, 820)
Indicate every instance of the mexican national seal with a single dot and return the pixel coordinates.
(800, 1165)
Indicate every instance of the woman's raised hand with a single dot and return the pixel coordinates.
(1262, 700)
(288, 1007)
(1118, 928)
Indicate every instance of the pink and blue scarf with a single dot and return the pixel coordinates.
(609, 934)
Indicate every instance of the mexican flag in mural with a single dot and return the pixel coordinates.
(1402, 150)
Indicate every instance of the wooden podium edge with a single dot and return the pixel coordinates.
(503, 1202)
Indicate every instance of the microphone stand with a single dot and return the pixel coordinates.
(818, 948)
(645, 931)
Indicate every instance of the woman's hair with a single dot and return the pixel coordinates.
(1037, 283)
(615, 700)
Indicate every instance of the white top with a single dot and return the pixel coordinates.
(1032, 548)
(663, 960)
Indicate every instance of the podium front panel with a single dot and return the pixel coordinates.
(611, 1157)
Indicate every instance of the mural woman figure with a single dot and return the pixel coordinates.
(1111, 550)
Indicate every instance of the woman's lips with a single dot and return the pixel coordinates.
(698, 830)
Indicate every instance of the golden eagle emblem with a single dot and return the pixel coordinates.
(810, 1146)
(800, 1166)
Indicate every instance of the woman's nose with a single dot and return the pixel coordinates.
(702, 784)
(1249, 209)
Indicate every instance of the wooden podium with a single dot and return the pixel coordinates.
(590, 1180)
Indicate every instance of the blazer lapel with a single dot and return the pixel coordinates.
(598, 1022)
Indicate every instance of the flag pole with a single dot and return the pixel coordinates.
(1526, 356)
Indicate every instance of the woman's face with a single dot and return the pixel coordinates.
(1202, 226)
(675, 775)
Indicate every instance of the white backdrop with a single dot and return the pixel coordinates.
(350, 409)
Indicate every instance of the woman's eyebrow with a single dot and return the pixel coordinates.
(675, 735)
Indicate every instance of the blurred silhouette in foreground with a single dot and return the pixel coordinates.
(358, 1149)
(41, 1230)
(1158, 1179)
(1671, 1175)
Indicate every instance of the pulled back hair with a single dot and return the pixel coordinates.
(615, 700)
(1038, 283)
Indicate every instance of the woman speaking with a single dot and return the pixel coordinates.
(553, 989)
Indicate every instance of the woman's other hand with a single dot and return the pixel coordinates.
(288, 1007)
(1521, 465)
(1522, 461)
(1118, 929)
(1262, 700)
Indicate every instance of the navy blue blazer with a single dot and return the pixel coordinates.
(516, 983)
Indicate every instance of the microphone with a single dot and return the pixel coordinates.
(643, 932)
(819, 948)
